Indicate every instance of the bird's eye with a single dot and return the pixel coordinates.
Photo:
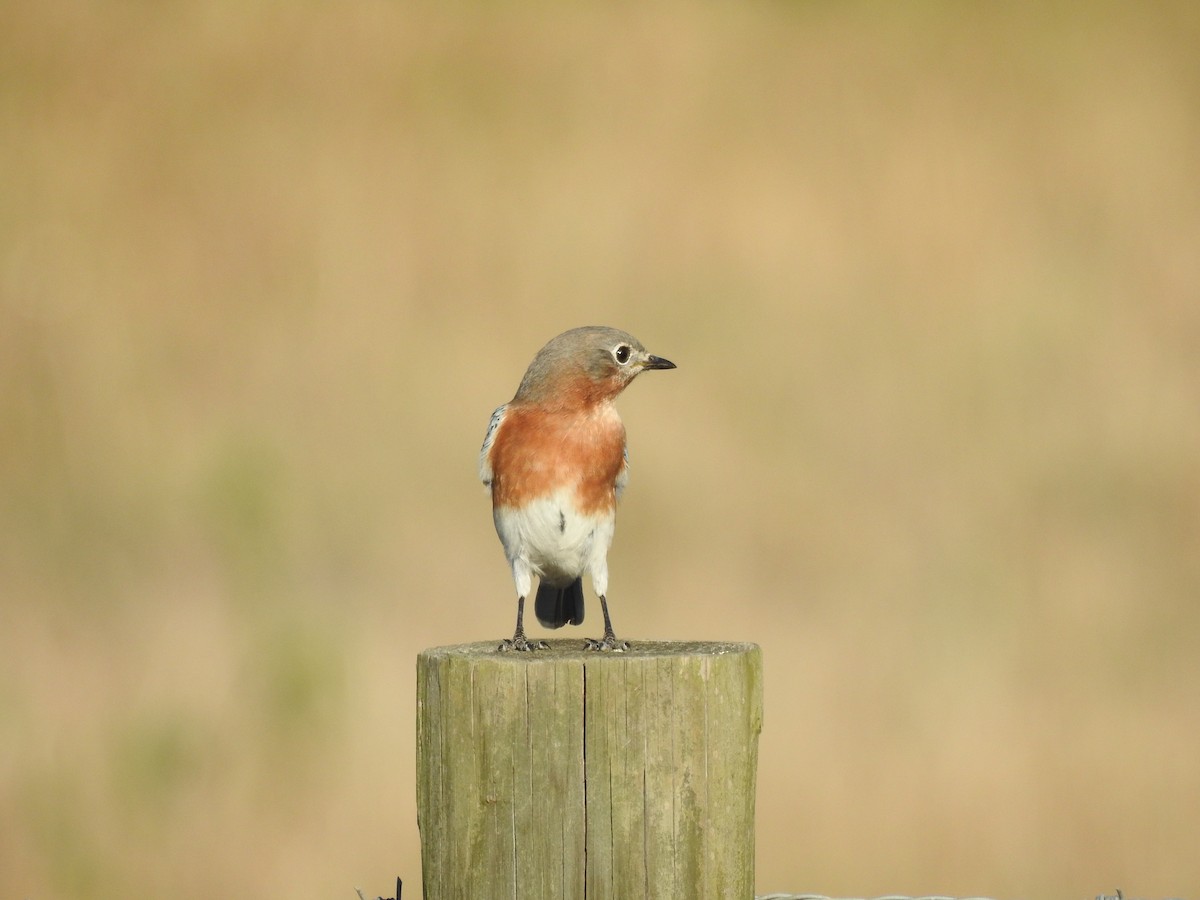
(622, 353)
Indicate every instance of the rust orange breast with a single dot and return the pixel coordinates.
(537, 452)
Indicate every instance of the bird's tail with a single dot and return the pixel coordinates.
(559, 606)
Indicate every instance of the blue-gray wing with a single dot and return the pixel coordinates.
(485, 462)
(623, 475)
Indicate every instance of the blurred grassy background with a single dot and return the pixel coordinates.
(931, 274)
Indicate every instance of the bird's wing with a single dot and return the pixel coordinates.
(623, 475)
(485, 462)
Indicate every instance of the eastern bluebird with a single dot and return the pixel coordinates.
(555, 463)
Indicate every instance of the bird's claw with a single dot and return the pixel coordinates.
(521, 643)
(608, 644)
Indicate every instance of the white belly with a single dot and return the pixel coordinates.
(548, 538)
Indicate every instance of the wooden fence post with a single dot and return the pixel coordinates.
(568, 773)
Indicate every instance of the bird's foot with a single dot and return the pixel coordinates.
(608, 644)
(521, 643)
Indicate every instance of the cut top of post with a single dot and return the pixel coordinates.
(568, 648)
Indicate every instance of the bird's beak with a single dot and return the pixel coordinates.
(657, 362)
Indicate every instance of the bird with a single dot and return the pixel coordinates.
(555, 462)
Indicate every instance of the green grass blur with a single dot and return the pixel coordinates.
(931, 275)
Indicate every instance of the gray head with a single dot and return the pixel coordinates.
(586, 365)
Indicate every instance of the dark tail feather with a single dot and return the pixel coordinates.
(556, 607)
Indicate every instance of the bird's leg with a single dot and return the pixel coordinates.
(519, 641)
(609, 641)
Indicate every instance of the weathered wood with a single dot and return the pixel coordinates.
(568, 773)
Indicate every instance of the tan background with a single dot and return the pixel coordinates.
(931, 274)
